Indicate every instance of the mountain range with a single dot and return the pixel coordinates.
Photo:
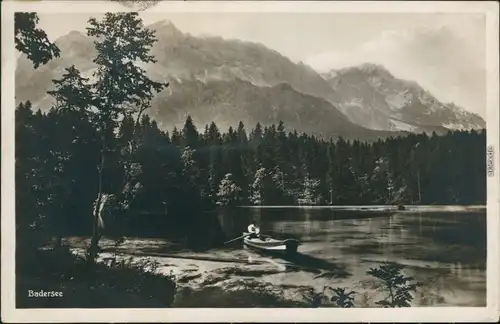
(227, 80)
(371, 96)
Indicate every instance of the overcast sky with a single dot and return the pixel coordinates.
(445, 53)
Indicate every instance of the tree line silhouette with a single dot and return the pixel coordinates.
(182, 173)
(96, 159)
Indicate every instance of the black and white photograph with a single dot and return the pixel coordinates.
(240, 157)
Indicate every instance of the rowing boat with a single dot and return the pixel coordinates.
(269, 244)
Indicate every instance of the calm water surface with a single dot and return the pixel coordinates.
(442, 247)
(446, 250)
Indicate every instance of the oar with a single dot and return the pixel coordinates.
(236, 238)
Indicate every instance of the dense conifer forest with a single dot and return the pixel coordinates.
(184, 173)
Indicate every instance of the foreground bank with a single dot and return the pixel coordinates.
(237, 277)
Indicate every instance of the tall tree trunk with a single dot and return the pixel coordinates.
(94, 245)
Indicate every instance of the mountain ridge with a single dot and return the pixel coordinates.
(373, 86)
(246, 102)
(210, 63)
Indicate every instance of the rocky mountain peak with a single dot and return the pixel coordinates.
(166, 29)
(370, 95)
(72, 37)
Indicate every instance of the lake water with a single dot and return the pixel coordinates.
(442, 247)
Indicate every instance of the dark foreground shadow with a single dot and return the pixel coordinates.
(80, 284)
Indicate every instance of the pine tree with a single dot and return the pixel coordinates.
(206, 135)
(214, 142)
(190, 136)
(282, 171)
(268, 147)
(280, 148)
(332, 174)
(73, 93)
(256, 137)
(245, 156)
(189, 198)
(176, 137)
(346, 178)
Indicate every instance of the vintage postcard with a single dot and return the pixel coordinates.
(187, 161)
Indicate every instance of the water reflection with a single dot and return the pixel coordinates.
(426, 236)
(447, 247)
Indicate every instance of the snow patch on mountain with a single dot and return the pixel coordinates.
(401, 126)
(384, 97)
(396, 101)
(354, 102)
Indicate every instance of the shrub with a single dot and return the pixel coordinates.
(397, 285)
(342, 298)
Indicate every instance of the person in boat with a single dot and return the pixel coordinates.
(254, 231)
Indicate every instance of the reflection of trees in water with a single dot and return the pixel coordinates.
(445, 237)
(467, 229)
(307, 214)
(234, 221)
(206, 232)
(257, 216)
